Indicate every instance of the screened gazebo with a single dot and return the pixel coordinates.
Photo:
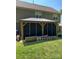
(35, 20)
(37, 27)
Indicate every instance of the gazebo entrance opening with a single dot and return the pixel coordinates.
(50, 29)
(32, 29)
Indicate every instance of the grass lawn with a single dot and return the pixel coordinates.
(43, 50)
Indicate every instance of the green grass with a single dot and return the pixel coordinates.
(44, 50)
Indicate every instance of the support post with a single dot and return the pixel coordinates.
(42, 28)
(57, 28)
(29, 28)
(47, 28)
(21, 26)
(42, 24)
(24, 23)
(36, 29)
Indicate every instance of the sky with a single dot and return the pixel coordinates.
(56, 4)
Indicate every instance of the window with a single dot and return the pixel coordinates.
(55, 17)
(38, 14)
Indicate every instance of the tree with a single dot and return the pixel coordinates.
(59, 13)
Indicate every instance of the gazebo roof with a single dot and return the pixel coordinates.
(37, 20)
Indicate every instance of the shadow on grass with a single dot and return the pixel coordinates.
(36, 42)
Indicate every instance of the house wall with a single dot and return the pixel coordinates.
(27, 13)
